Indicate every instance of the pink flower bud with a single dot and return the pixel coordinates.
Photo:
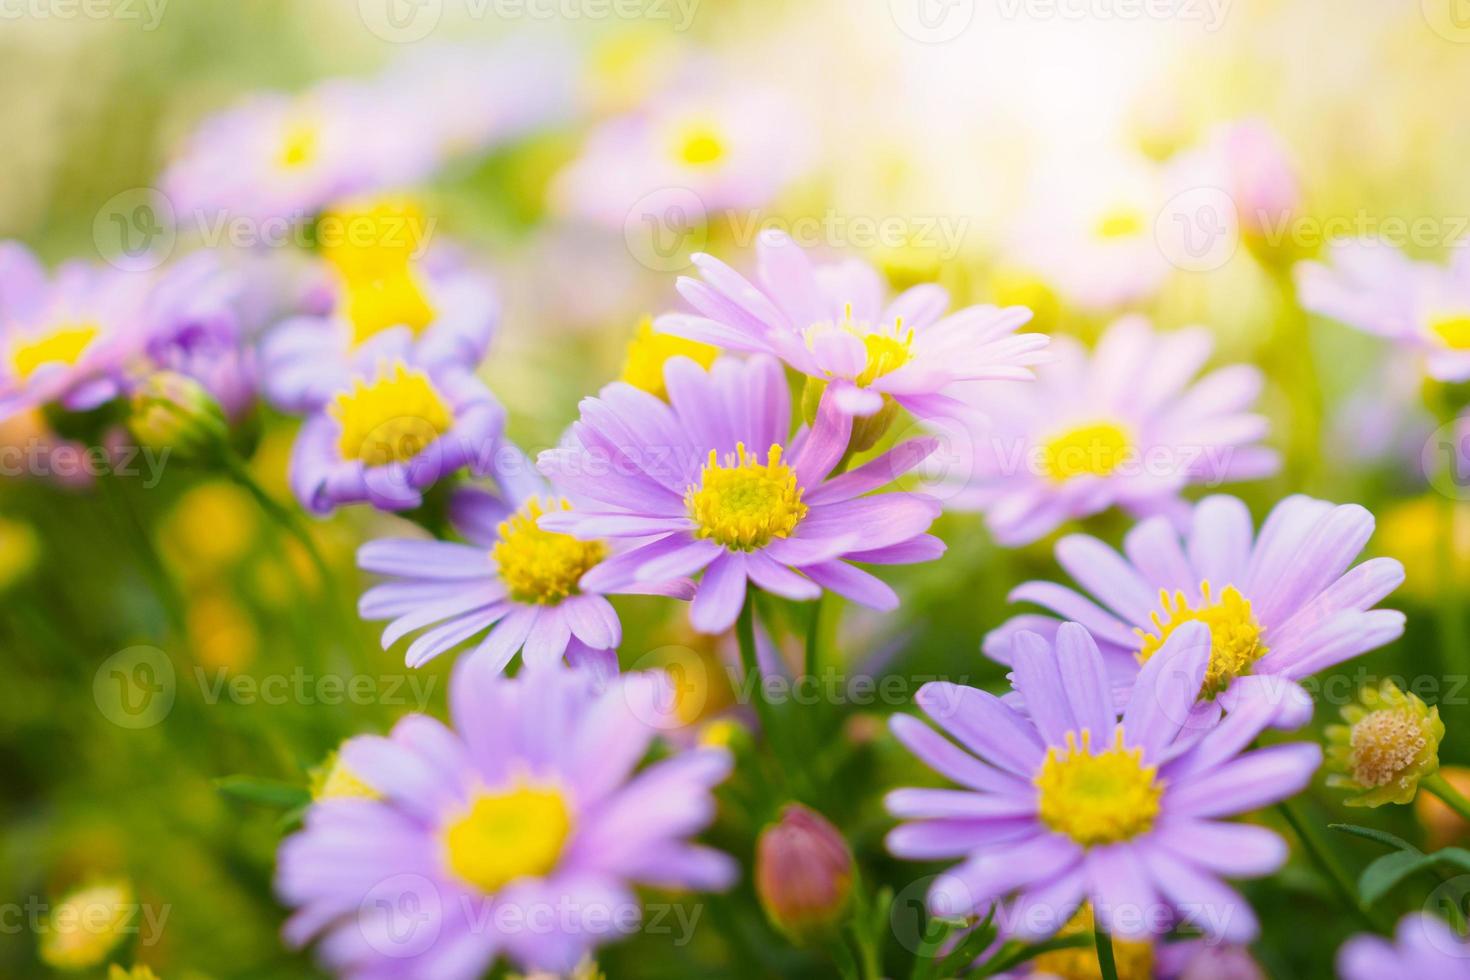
(803, 873)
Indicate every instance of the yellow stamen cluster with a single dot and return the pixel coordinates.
(1453, 330)
(888, 347)
(699, 145)
(392, 419)
(65, 344)
(300, 146)
(542, 567)
(649, 351)
(1235, 636)
(1095, 449)
(743, 504)
(1120, 222)
(1390, 742)
(506, 836)
(1133, 960)
(1098, 798)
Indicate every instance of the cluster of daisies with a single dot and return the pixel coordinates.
(788, 427)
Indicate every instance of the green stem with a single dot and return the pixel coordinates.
(745, 637)
(154, 567)
(1452, 797)
(814, 638)
(290, 522)
(1320, 856)
(1105, 965)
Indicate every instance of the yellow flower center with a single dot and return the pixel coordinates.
(507, 836)
(392, 419)
(542, 567)
(1385, 743)
(1133, 959)
(1096, 449)
(649, 351)
(743, 504)
(1235, 636)
(699, 145)
(396, 300)
(1098, 798)
(299, 146)
(64, 344)
(1120, 222)
(1454, 330)
(888, 348)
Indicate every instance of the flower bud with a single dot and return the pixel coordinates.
(1390, 742)
(173, 412)
(803, 873)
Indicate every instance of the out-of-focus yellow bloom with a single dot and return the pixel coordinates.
(1133, 960)
(1012, 286)
(20, 546)
(1441, 823)
(332, 780)
(626, 66)
(1415, 531)
(721, 733)
(87, 924)
(221, 633)
(210, 529)
(1390, 742)
(140, 972)
(649, 351)
(374, 237)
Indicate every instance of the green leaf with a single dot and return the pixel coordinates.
(1379, 877)
(1455, 857)
(1378, 836)
(264, 792)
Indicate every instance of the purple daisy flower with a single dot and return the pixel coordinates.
(75, 338)
(836, 325)
(202, 316)
(278, 156)
(1423, 946)
(1422, 306)
(392, 428)
(1281, 605)
(1072, 803)
(706, 482)
(516, 833)
(514, 579)
(736, 147)
(451, 310)
(1122, 426)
